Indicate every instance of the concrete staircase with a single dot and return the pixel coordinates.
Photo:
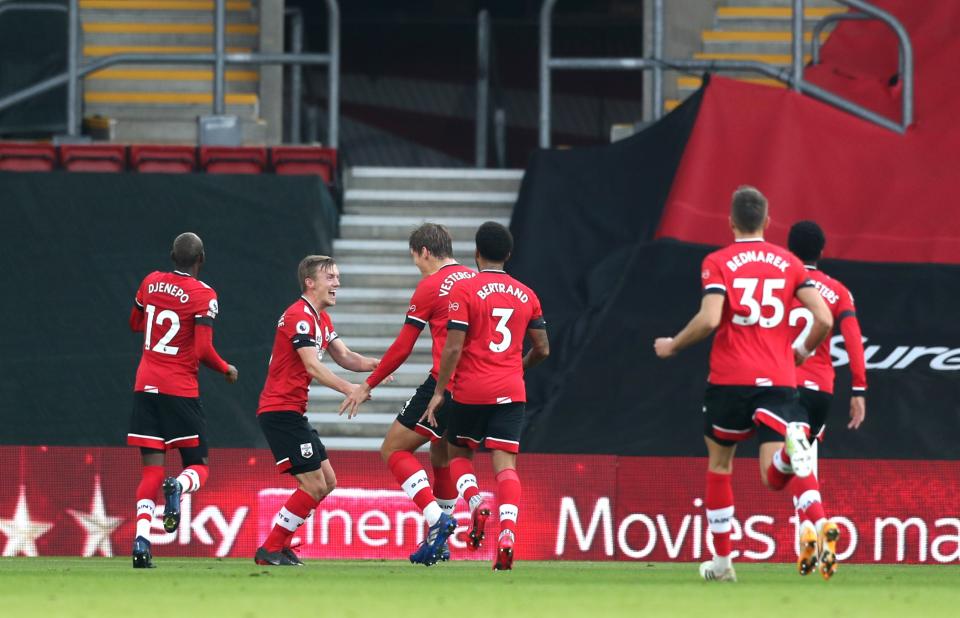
(381, 207)
(753, 30)
(161, 103)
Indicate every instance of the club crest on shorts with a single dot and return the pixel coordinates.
(306, 450)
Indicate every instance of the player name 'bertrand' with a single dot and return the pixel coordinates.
(502, 288)
(169, 288)
(745, 257)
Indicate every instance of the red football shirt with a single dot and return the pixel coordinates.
(817, 373)
(287, 379)
(172, 303)
(495, 310)
(753, 344)
(430, 304)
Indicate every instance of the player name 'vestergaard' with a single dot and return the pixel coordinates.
(169, 288)
(452, 278)
(745, 257)
(502, 288)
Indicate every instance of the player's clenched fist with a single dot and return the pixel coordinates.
(663, 346)
(232, 374)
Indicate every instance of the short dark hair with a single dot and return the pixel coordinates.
(309, 265)
(494, 241)
(806, 240)
(748, 209)
(187, 250)
(434, 238)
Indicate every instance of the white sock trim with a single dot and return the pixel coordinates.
(448, 506)
(286, 519)
(509, 512)
(144, 524)
(432, 513)
(807, 498)
(475, 501)
(720, 520)
(189, 481)
(466, 481)
(415, 483)
(779, 464)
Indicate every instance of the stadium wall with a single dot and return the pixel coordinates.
(75, 247)
(584, 507)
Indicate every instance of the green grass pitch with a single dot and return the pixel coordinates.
(108, 587)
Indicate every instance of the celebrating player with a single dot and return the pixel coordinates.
(175, 311)
(815, 377)
(748, 288)
(304, 333)
(432, 251)
(488, 318)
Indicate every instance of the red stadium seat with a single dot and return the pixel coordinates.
(27, 157)
(233, 159)
(163, 159)
(305, 160)
(93, 157)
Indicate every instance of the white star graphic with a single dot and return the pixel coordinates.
(98, 524)
(21, 532)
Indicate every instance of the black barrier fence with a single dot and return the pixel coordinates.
(76, 246)
(615, 396)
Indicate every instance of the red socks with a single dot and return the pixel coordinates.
(444, 489)
(289, 519)
(413, 479)
(461, 471)
(508, 493)
(147, 492)
(193, 478)
(719, 507)
(806, 497)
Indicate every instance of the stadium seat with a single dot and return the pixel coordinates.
(304, 160)
(233, 159)
(27, 157)
(93, 157)
(163, 159)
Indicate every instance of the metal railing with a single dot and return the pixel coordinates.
(488, 106)
(219, 59)
(657, 64)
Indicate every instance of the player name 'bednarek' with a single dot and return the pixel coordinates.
(453, 278)
(502, 288)
(745, 257)
(168, 288)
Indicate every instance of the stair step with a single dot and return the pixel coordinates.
(399, 227)
(150, 80)
(752, 36)
(775, 12)
(179, 125)
(380, 275)
(164, 5)
(110, 50)
(686, 85)
(165, 28)
(160, 18)
(396, 252)
(774, 59)
(418, 178)
(429, 203)
(194, 41)
(384, 393)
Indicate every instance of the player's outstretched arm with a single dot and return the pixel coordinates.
(697, 329)
(853, 342)
(540, 349)
(323, 376)
(348, 359)
(822, 323)
(449, 358)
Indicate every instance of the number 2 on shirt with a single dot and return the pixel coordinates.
(504, 315)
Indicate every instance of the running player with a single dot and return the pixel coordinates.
(304, 333)
(748, 288)
(815, 377)
(431, 248)
(489, 315)
(175, 311)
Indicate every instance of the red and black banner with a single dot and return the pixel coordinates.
(574, 507)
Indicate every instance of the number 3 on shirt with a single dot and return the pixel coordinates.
(748, 300)
(164, 316)
(504, 315)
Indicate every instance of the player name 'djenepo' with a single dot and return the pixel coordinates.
(502, 288)
(745, 257)
(169, 288)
